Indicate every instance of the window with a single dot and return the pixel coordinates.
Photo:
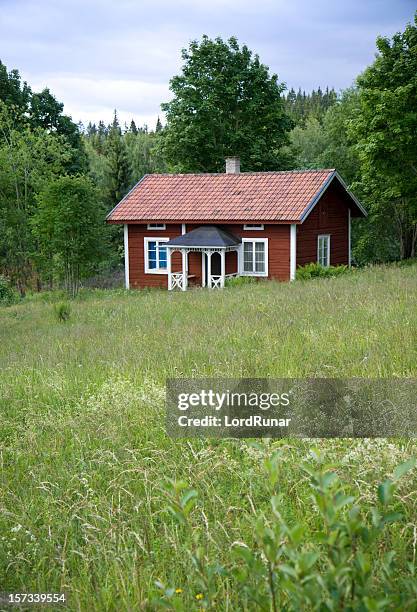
(253, 227)
(156, 255)
(255, 256)
(323, 250)
(156, 226)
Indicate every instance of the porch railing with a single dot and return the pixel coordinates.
(217, 282)
(177, 281)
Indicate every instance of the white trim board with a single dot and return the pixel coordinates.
(126, 249)
(293, 251)
(145, 254)
(241, 256)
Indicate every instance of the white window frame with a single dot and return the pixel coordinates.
(254, 227)
(156, 226)
(241, 257)
(149, 270)
(327, 236)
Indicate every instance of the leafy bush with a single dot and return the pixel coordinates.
(316, 270)
(62, 311)
(238, 281)
(8, 295)
(345, 561)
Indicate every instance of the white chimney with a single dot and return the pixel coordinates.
(232, 165)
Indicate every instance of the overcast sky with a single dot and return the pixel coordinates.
(97, 55)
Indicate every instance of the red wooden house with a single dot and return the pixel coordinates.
(200, 229)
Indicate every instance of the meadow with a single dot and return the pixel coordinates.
(90, 500)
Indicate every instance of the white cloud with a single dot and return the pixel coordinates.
(91, 99)
(97, 55)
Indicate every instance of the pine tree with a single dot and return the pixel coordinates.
(133, 127)
(119, 172)
(158, 127)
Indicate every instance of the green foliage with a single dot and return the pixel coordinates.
(62, 311)
(316, 270)
(332, 568)
(29, 160)
(118, 175)
(385, 134)
(225, 103)
(325, 143)
(239, 281)
(67, 226)
(41, 111)
(8, 295)
(302, 106)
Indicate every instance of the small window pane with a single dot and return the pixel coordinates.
(260, 266)
(323, 251)
(162, 257)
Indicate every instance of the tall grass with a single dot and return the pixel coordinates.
(85, 458)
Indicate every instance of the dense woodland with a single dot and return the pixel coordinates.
(58, 180)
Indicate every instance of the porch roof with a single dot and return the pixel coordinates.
(205, 236)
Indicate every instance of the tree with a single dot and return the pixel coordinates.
(67, 225)
(302, 106)
(385, 129)
(158, 127)
(41, 110)
(29, 159)
(12, 92)
(225, 103)
(118, 167)
(133, 128)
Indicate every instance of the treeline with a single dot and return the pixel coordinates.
(302, 105)
(59, 180)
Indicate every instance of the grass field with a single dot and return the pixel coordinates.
(84, 455)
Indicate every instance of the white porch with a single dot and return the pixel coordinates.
(212, 275)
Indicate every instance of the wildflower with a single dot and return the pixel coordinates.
(199, 596)
(16, 529)
(178, 591)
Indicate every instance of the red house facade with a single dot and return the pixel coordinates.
(184, 230)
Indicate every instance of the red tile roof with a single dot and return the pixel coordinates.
(248, 196)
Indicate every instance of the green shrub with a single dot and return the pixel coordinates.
(238, 281)
(316, 270)
(8, 295)
(345, 562)
(62, 311)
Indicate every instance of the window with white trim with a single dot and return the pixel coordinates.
(323, 250)
(255, 226)
(155, 255)
(156, 226)
(255, 256)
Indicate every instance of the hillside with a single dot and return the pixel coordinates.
(85, 458)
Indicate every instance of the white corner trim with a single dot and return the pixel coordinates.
(183, 229)
(293, 251)
(126, 248)
(349, 239)
(241, 256)
(145, 255)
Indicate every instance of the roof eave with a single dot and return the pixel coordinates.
(322, 190)
(122, 200)
(354, 198)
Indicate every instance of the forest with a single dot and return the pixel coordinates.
(59, 180)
